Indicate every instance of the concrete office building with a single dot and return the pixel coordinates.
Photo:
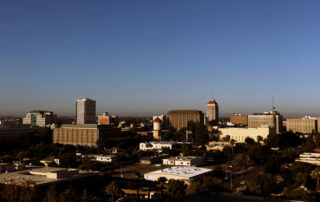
(239, 119)
(240, 134)
(39, 118)
(212, 111)
(86, 111)
(306, 125)
(180, 118)
(272, 119)
(83, 135)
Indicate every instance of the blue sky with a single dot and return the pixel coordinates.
(146, 57)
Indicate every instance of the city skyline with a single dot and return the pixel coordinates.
(148, 57)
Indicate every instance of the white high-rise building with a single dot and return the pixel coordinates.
(86, 111)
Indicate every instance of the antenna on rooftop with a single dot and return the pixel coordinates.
(211, 93)
(273, 105)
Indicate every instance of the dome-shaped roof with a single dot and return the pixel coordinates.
(157, 120)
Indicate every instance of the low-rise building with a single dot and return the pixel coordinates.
(107, 119)
(158, 146)
(103, 158)
(43, 176)
(217, 146)
(184, 173)
(184, 161)
(83, 134)
(312, 158)
(240, 134)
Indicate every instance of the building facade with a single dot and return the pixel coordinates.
(158, 146)
(272, 119)
(306, 125)
(239, 119)
(86, 111)
(39, 118)
(240, 134)
(212, 111)
(107, 119)
(83, 135)
(184, 161)
(180, 118)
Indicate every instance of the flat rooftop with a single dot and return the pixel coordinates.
(182, 171)
(37, 176)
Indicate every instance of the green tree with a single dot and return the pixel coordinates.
(226, 138)
(264, 184)
(68, 196)
(112, 189)
(162, 180)
(51, 194)
(85, 195)
(193, 188)
(315, 174)
(176, 188)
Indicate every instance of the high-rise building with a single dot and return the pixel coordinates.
(212, 111)
(180, 118)
(86, 111)
(39, 118)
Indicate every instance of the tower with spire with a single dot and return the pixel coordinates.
(212, 111)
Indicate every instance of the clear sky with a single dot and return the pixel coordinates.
(144, 57)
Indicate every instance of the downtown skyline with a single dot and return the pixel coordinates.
(140, 58)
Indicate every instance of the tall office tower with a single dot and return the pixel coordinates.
(86, 111)
(213, 111)
(180, 118)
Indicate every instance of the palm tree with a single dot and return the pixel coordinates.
(315, 174)
(112, 189)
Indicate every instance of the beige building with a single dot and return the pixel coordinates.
(180, 118)
(239, 119)
(39, 118)
(212, 111)
(240, 134)
(311, 158)
(183, 173)
(272, 119)
(86, 111)
(83, 135)
(217, 146)
(184, 161)
(158, 146)
(107, 119)
(306, 125)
